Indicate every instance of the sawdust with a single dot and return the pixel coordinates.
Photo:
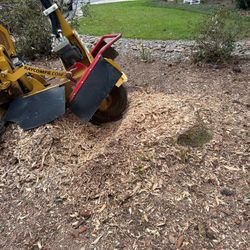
(129, 184)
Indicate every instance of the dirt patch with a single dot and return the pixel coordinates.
(129, 185)
(195, 136)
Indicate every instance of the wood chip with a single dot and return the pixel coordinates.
(179, 241)
(97, 239)
(172, 238)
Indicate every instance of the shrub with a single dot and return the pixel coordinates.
(243, 4)
(31, 29)
(145, 54)
(217, 36)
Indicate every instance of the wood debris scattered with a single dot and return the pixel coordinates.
(70, 185)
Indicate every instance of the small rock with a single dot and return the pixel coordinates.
(216, 66)
(237, 221)
(236, 69)
(85, 213)
(227, 192)
(210, 234)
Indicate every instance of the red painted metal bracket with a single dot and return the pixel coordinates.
(114, 38)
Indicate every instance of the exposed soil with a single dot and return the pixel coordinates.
(129, 184)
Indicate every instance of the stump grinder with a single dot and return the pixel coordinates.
(90, 84)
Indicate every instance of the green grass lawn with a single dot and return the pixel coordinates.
(144, 19)
(138, 19)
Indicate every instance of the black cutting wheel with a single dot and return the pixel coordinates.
(113, 107)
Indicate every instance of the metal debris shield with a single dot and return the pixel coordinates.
(93, 89)
(37, 109)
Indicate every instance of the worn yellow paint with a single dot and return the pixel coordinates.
(5, 40)
(33, 79)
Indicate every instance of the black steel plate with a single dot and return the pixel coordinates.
(95, 89)
(37, 109)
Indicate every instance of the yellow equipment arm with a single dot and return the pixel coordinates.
(6, 41)
(72, 35)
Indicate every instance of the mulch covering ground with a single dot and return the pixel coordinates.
(129, 184)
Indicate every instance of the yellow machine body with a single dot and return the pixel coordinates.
(23, 81)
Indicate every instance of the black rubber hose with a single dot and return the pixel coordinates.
(53, 17)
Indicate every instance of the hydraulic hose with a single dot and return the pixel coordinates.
(53, 17)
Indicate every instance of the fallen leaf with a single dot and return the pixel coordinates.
(179, 242)
(75, 234)
(82, 229)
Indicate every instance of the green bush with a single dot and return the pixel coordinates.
(243, 4)
(217, 35)
(30, 28)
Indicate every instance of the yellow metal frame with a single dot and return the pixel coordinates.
(34, 70)
(6, 41)
(123, 78)
(33, 78)
(73, 37)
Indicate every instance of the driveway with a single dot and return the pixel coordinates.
(107, 1)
